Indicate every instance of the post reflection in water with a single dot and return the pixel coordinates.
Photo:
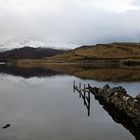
(85, 95)
(116, 115)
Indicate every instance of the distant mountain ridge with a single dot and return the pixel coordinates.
(30, 53)
(32, 48)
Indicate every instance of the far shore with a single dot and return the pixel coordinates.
(96, 63)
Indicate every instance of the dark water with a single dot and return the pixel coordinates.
(45, 107)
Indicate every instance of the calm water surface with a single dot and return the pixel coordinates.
(47, 109)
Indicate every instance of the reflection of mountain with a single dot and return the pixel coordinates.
(21, 81)
(89, 71)
(123, 74)
(28, 72)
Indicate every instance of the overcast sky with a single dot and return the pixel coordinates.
(73, 21)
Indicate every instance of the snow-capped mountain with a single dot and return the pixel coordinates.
(34, 43)
(32, 48)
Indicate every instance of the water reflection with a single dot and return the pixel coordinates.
(49, 110)
(103, 73)
(83, 71)
(28, 72)
(86, 98)
(116, 115)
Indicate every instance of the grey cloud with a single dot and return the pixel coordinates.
(136, 2)
(71, 22)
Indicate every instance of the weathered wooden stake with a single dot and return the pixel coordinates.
(79, 85)
(74, 86)
(80, 90)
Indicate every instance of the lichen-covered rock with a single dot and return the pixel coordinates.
(131, 102)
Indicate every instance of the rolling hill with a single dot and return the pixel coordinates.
(99, 52)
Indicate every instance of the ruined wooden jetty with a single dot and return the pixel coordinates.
(117, 99)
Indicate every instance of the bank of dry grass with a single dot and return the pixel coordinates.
(100, 51)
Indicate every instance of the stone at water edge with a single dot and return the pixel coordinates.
(138, 97)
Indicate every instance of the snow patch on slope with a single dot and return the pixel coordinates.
(35, 43)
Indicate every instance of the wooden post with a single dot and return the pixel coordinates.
(80, 91)
(74, 83)
(74, 86)
(84, 86)
(79, 85)
(88, 86)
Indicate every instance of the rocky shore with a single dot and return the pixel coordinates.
(118, 99)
